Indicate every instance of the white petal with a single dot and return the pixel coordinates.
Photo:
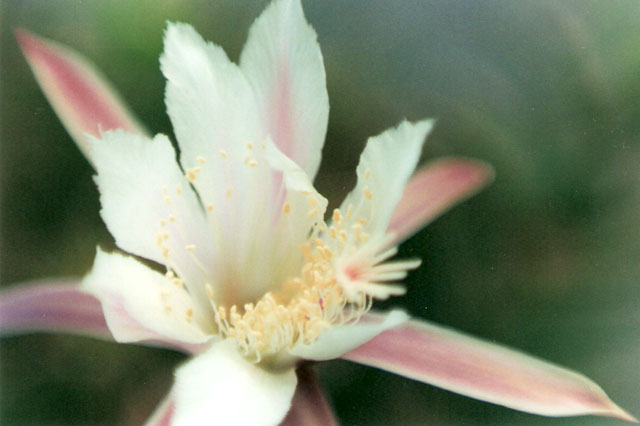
(219, 387)
(337, 341)
(283, 62)
(129, 290)
(149, 206)
(277, 204)
(385, 166)
(211, 106)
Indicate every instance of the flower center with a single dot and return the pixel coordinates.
(338, 281)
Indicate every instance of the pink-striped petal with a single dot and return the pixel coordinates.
(309, 406)
(83, 100)
(283, 63)
(163, 413)
(434, 189)
(60, 306)
(482, 370)
(51, 306)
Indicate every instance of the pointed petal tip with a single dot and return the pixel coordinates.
(83, 99)
(482, 172)
(29, 43)
(617, 412)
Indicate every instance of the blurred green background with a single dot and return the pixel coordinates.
(545, 260)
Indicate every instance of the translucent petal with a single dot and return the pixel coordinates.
(336, 341)
(150, 208)
(141, 304)
(386, 164)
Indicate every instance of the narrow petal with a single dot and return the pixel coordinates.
(335, 342)
(433, 190)
(83, 100)
(221, 387)
(150, 207)
(385, 166)
(58, 306)
(482, 370)
(283, 62)
(141, 304)
(309, 406)
(163, 414)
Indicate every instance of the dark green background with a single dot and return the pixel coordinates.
(546, 259)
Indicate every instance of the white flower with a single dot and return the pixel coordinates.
(249, 266)
(232, 257)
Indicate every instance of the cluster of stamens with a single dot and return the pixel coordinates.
(297, 313)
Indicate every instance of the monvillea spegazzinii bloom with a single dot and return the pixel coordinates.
(256, 277)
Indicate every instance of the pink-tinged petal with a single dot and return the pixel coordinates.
(309, 406)
(82, 98)
(283, 63)
(486, 371)
(61, 306)
(51, 306)
(433, 190)
(141, 304)
(163, 414)
(336, 341)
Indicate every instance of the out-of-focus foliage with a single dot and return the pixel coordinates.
(546, 260)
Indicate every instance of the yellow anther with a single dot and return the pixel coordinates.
(312, 201)
(189, 314)
(165, 253)
(165, 190)
(333, 233)
(229, 192)
(367, 173)
(170, 275)
(165, 236)
(349, 211)
(252, 163)
(200, 160)
(179, 190)
(190, 247)
(287, 208)
(192, 174)
(223, 153)
(312, 212)
(209, 207)
(250, 146)
(163, 222)
(172, 218)
(167, 199)
(367, 193)
(337, 216)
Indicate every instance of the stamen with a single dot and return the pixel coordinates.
(367, 193)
